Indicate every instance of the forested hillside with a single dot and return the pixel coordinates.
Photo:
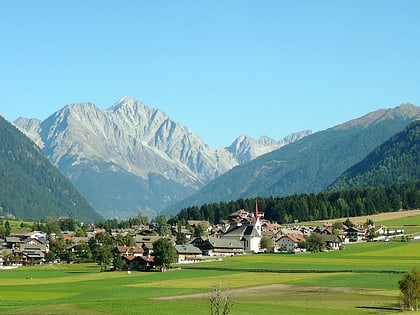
(30, 187)
(395, 161)
(322, 206)
(309, 165)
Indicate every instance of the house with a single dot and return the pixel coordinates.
(146, 242)
(333, 242)
(289, 242)
(145, 262)
(323, 230)
(133, 251)
(13, 242)
(240, 216)
(26, 248)
(31, 254)
(188, 253)
(214, 246)
(132, 255)
(353, 234)
(270, 228)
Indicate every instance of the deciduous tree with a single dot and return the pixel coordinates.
(164, 252)
(161, 225)
(410, 289)
(315, 242)
(266, 243)
(103, 256)
(221, 301)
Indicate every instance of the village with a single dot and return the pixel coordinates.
(241, 233)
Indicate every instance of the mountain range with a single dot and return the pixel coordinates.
(132, 159)
(31, 187)
(386, 180)
(309, 165)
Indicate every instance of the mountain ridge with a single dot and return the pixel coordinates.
(308, 165)
(129, 139)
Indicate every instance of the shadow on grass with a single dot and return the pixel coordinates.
(378, 308)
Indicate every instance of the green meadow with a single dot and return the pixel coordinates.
(362, 279)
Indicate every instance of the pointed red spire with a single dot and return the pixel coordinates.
(256, 214)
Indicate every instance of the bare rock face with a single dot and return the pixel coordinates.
(245, 149)
(132, 159)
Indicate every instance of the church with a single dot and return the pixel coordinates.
(245, 228)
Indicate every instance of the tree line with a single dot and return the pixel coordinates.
(309, 207)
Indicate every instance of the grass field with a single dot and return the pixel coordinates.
(362, 279)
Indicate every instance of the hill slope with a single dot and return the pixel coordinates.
(32, 188)
(395, 161)
(309, 165)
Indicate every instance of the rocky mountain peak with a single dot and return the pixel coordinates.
(245, 149)
(267, 141)
(151, 159)
(403, 111)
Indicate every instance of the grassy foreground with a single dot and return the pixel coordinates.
(363, 279)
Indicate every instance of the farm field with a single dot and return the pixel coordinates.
(398, 218)
(362, 279)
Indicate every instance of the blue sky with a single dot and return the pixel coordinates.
(221, 68)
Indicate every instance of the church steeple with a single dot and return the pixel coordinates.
(257, 223)
(256, 214)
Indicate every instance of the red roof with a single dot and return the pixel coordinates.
(130, 250)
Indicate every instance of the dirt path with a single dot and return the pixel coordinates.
(271, 289)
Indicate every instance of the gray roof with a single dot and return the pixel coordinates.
(243, 230)
(187, 249)
(13, 239)
(332, 238)
(224, 243)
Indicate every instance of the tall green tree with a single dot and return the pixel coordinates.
(181, 238)
(266, 243)
(52, 226)
(103, 256)
(8, 229)
(199, 230)
(2, 231)
(164, 253)
(83, 252)
(315, 242)
(162, 225)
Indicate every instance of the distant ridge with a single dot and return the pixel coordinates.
(30, 186)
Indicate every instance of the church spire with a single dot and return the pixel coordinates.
(256, 214)
(257, 223)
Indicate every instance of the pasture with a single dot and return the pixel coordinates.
(362, 279)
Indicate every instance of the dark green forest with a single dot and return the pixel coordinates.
(308, 207)
(30, 186)
(395, 161)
